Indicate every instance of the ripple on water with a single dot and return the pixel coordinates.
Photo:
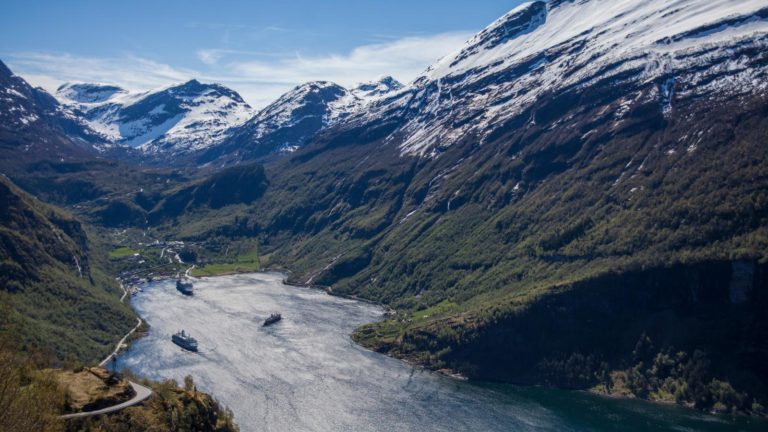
(305, 374)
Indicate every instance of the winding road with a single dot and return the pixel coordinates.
(125, 292)
(121, 343)
(142, 394)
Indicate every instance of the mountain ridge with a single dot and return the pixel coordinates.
(175, 119)
(564, 51)
(295, 118)
(157, 124)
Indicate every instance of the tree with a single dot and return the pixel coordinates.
(189, 383)
(30, 399)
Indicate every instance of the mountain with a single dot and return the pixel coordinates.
(207, 123)
(241, 184)
(170, 121)
(295, 118)
(58, 305)
(33, 124)
(541, 50)
(575, 194)
(59, 310)
(42, 141)
(53, 293)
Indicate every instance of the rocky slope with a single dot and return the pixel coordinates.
(170, 408)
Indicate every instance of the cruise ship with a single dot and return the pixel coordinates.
(272, 319)
(184, 286)
(185, 341)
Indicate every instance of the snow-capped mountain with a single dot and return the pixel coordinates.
(177, 119)
(31, 112)
(686, 48)
(82, 94)
(569, 131)
(297, 117)
(17, 101)
(300, 113)
(208, 121)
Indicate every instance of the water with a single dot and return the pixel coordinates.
(305, 374)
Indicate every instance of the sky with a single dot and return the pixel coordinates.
(259, 48)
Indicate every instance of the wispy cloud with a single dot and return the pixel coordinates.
(49, 70)
(403, 58)
(259, 77)
(213, 55)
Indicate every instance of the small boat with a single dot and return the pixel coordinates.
(185, 341)
(272, 319)
(184, 286)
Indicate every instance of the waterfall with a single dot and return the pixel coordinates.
(77, 263)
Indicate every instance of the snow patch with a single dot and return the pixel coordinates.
(540, 47)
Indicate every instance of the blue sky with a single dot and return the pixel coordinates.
(259, 48)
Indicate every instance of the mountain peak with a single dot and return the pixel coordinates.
(88, 92)
(4, 70)
(391, 82)
(191, 85)
(540, 48)
(316, 90)
(313, 85)
(378, 87)
(520, 21)
(175, 119)
(194, 88)
(289, 122)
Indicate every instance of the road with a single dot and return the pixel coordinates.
(120, 344)
(142, 394)
(122, 341)
(125, 292)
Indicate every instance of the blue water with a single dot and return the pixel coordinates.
(305, 374)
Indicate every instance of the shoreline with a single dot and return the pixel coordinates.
(458, 376)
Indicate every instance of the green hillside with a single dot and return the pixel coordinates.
(54, 293)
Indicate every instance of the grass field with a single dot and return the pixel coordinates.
(226, 268)
(239, 257)
(121, 252)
